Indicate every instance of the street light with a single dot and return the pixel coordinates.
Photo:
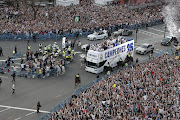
(165, 31)
(136, 35)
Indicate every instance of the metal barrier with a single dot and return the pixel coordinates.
(84, 87)
(46, 36)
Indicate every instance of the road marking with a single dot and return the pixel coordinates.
(18, 108)
(76, 53)
(10, 117)
(17, 118)
(149, 32)
(4, 109)
(155, 51)
(3, 77)
(58, 96)
(30, 113)
(34, 106)
(157, 30)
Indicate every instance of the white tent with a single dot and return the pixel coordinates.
(102, 2)
(67, 2)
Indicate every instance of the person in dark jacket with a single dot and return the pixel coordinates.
(13, 75)
(38, 106)
(1, 51)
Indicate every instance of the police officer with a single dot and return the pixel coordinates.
(69, 50)
(29, 47)
(77, 79)
(40, 46)
(108, 73)
(45, 48)
(108, 66)
(120, 62)
(38, 106)
(15, 49)
(13, 52)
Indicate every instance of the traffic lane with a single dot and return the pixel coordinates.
(12, 114)
(46, 90)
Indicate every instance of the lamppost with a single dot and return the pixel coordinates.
(165, 31)
(136, 35)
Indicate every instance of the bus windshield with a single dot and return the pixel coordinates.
(91, 64)
(95, 65)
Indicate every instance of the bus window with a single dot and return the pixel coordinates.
(102, 63)
(92, 65)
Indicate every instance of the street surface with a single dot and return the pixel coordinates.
(52, 90)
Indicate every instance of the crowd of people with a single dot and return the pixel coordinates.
(147, 90)
(43, 62)
(107, 44)
(56, 19)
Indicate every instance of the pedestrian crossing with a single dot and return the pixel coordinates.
(149, 33)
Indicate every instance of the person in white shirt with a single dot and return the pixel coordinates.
(13, 89)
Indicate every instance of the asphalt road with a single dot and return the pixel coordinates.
(52, 90)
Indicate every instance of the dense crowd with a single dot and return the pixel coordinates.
(56, 19)
(147, 90)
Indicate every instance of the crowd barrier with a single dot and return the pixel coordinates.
(86, 86)
(52, 36)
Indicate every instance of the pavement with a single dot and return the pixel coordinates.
(52, 90)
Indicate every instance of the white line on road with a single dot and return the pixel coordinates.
(3, 77)
(30, 113)
(148, 32)
(18, 118)
(76, 53)
(157, 30)
(155, 51)
(18, 108)
(4, 109)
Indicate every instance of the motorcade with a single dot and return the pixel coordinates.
(98, 35)
(169, 40)
(145, 48)
(123, 32)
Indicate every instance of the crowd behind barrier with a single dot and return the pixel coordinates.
(47, 116)
(67, 34)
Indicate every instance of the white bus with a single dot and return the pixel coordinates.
(96, 60)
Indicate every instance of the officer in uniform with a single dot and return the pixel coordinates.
(108, 66)
(29, 47)
(45, 48)
(13, 52)
(40, 46)
(120, 62)
(69, 50)
(77, 79)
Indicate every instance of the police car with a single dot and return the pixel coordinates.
(98, 35)
(85, 47)
(123, 32)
